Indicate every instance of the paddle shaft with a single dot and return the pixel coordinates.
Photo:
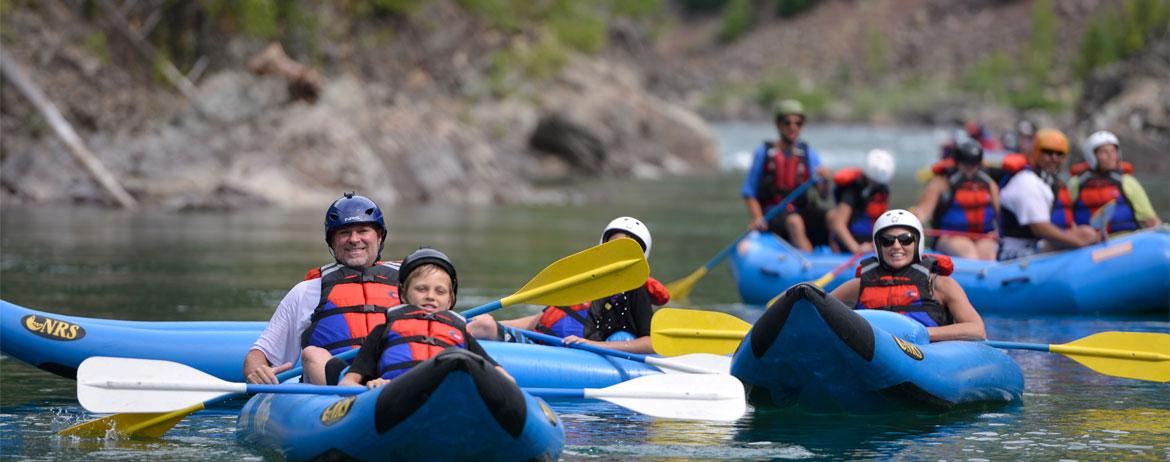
(544, 290)
(1080, 350)
(637, 394)
(828, 277)
(653, 361)
(308, 389)
(767, 217)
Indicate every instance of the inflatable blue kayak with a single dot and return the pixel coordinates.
(1127, 274)
(58, 344)
(454, 406)
(810, 350)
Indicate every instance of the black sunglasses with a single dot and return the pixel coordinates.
(1049, 152)
(904, 239)
(793, 122)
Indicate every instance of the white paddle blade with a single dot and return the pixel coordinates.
(694, 363)
(690, 397)
(110, 385)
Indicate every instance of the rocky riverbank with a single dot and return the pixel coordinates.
(422, 118)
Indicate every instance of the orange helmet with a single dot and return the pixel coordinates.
(1048, 139)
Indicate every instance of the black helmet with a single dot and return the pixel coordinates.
(421, 257)
(969, 152)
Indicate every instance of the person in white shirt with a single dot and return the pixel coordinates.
(336, 306)
(1036, 206)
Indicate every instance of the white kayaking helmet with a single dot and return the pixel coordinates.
(879, 166)
(633, 228)
(1095, 141)
(895, 218)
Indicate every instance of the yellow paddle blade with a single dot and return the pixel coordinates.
(676, 331)
(613, 267)
(1132, 355)
(680, 290)
(152, 425)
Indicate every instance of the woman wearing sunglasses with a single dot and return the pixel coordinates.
(902, 280)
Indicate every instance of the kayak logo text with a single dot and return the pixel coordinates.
(53, 329)
(337, 410)
(910, 349)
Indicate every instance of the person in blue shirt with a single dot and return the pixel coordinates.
(777, 169)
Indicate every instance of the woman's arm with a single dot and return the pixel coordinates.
(924, 210)
(968, 324)
(848, 292)
(838, 221)
(641, 345)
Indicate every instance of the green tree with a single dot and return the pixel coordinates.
(737, 19)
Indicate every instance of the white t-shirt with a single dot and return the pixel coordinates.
(281, 340)
(1030, 199)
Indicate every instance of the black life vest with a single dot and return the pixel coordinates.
(908, 291)
(782, 174)
(871, 201)
(414, 336)
(353, 302)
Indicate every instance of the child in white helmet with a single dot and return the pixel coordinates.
(620, 321)
(861, 195)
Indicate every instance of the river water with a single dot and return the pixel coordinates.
(237, 266)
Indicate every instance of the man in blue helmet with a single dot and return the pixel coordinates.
(336, 305)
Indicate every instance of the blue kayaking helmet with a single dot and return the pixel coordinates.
(423, 256)
(353, 209)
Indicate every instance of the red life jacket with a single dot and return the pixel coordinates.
(563, 321)
(1097, 190)
(782, 174)
(908, 291)
(414, 336)
(353, 302)
(966, 204)
(1013, 163)
(943, 167)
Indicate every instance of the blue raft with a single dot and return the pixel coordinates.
(810, 350)
(1128, 274)
(58, 344)
(454, 406)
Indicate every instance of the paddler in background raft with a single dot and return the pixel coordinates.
(336, 305)
(1103, 178)
(902, 280)
(619, 322)
(778, 169)
(962, 202)
(419, 330)
(862, 195)
(1036, 206)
